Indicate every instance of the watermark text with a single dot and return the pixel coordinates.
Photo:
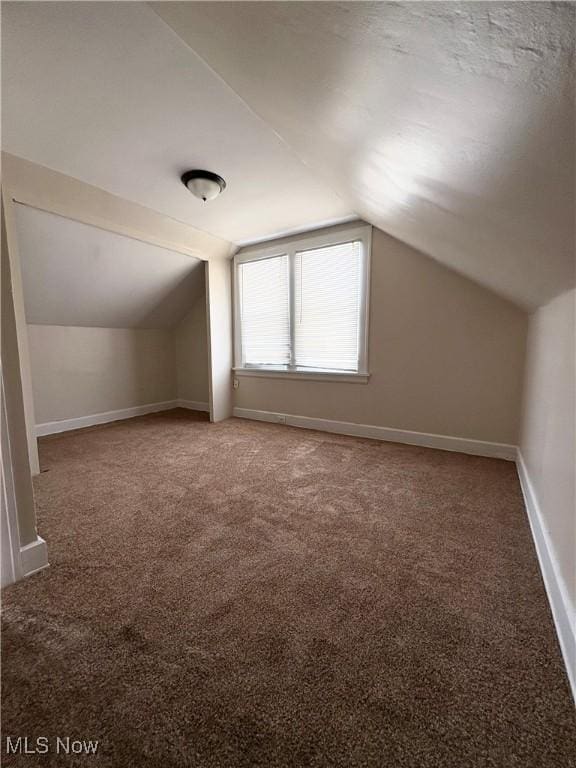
(43, 745)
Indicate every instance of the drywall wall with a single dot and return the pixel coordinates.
(14, 397)
(446, 357)
(84, 371)
(191, 347)
(15, 286)
(548, 434)
(219, 300)
(79, 275)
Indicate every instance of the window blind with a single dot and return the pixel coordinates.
(327, 305)
(265, 312)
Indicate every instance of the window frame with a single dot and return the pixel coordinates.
(289, 247)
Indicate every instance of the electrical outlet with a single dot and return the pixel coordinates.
(281, 419)
(235, 383)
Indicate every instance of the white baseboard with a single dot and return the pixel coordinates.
(193, 405)
(34, 556)
(558, 597)
(52, 427)
(424, 439)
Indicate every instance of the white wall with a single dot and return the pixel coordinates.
(79, 275)
(191, 345)
(446, 357)
(219, 293)
(548, 436)
(83, 371)
(15, 433)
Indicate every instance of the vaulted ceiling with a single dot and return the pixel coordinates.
(448, 125)
(107, 93)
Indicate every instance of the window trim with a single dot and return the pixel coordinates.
(289, 247)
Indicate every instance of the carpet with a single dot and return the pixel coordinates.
(249, 594)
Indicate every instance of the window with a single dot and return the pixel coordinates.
(301, 306)
(265, 311)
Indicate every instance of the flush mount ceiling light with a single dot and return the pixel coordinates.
(203, 184)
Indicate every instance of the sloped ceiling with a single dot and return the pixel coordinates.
(107, 93)
(448, 125)
(107, 280)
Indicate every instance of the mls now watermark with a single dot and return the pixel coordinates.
(43, 745)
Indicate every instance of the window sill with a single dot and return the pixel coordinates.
(272, 373)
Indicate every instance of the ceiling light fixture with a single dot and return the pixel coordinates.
(203, 184)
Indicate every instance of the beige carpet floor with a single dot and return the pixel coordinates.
(247, 594)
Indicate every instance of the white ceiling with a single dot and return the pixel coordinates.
(108, 280)
(449, 125)
(107, 93)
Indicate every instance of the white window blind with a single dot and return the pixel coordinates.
(327, 304)
(304, 311)
(265, 312)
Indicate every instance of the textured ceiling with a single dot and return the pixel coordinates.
(108, 280)
(448, 125)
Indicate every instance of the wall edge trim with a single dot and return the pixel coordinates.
(34, 556)
(423, 439)
(563, 612)
(194, 405)
(64, 425)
